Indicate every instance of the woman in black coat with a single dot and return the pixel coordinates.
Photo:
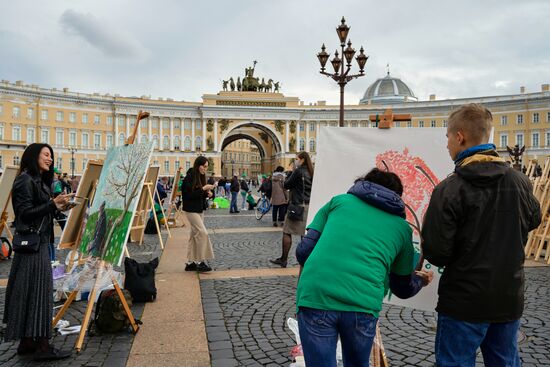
(29, 294)
(194, 192)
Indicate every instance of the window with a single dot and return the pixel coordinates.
(155, 142)
(177, 165)
(120, 120)
(155, 163)
(1, 162)
(84, 163)
(354, 124)
(72, 117)
(503, 120)
(420, 123)
(16, 112)
(16, 133)
(536, 118)
(84, 118)
(187, 166)
(72, 138)
(165, 123)
(535, 140)
(144, 123)
(166, 166)
(143, 138)
(97, 141)
(547, 117)
(59, 138)
(409, 124)
(519, 139)
(121, 139)
(176, 124)
(109, 120)
(198, 142)
(59, 116)
(503, 140)
(301, 147)
(44, 136)
(444, 123)
(44, 114)
(166, 142)
(16, 160)
(311, 126)
(312, 145)
(59, 163)
(177, 142)
(519, 119)
(548, 138)
(187, 124)
(198, 124)
(30, 113)
(433, 123)
(97, 120)
(155, 123)
(30, 135)
(1, 109)
(85, 140)
(301, 126)
(187, 143)
(109, 142)
(397, 123)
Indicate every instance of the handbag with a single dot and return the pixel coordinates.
(296, 211)
(28, 242)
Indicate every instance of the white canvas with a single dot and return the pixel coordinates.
(345, 154)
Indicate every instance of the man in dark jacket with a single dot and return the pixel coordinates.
(476, 227)
(234, 192)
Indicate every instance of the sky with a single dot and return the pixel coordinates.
(183, 49)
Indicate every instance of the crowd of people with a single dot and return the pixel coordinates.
(355, 249)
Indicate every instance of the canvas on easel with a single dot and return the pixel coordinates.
(6, 184)
(174, 215)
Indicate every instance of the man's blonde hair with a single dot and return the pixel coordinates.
(473, 120)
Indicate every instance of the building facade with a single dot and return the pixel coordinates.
(81, 127)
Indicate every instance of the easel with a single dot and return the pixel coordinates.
(538, 243)
(100, 269)
(4, 219)
(6, 182)
(386, 120)
(174, 213)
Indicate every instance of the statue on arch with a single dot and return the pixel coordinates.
(224, 85)
(232, 84)
(239, 85)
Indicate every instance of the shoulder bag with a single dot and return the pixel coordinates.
(28, 242)
(296, 211)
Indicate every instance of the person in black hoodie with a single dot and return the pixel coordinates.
(476, 227)
(195, 192)
(235, 186)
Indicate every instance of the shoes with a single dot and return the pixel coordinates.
(191, 266)
(236, 211)
(281, 224)
(203, 267)
(52, 354)
(26, 350)
(274, 224)
(279, 262)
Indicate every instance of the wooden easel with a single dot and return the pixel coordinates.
(538, 242)
(6, 182)
(4, 219)
(99, 273)
(174, 214)
(141, 217)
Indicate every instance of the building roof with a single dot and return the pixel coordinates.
(388, 90)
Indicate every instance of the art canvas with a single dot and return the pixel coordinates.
(6, 183)
(418, 155)
(117, 194)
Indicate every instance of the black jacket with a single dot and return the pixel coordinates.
(32, 205)
(235, 187)
(299, 184)
(476, 226)
(193, 198)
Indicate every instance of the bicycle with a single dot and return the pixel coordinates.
(262, 207)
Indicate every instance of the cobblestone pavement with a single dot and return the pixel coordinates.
(220, 218)
(245, 318)
(109, 350)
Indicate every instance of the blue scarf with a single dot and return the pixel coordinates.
(473, 150)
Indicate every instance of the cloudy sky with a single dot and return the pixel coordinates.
(183, 49)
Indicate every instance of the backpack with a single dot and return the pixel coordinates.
(140, 279)
(109, 313)
(150, 227)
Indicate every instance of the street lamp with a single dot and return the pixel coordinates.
(72, 150)
(340, 75)
(232, 167)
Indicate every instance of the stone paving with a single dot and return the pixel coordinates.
(245, 318)
(109, 350)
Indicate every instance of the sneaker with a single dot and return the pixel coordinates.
(203, 267)
(51, 355)
(279, 262)
(191, 267)
(274, 224)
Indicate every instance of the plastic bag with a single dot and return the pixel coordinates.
(86, 277)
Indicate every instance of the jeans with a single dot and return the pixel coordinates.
(51, 251)
(281, 211)
(319, 330)
(233, 207)
(243, 195)
(456, 343)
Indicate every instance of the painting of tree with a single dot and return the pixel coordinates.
(115, 201)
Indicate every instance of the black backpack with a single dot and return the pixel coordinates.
(110, 316)
(140, 279)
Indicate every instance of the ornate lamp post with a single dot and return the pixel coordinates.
(341, 69)
(232, 167)
(72, 150)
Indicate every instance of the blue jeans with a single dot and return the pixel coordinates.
(233, 206)
(456, 343)
(319, 330)
(243, 194)
(51, 251)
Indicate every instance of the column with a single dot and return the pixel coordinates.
(127, 126)
(150, 128)
(203, 145)
(287, 133)
(161, 138)
(171, 134)
(182, 132)
(116, 130)
(215, 135)
(306, 143)
(193, 122)
(317, 129)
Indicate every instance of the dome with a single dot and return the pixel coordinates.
(388, 90)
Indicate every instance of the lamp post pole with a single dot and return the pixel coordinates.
(72, 150)
(341, 69)
(232, 167)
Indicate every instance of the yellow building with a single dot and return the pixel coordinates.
(83, 126)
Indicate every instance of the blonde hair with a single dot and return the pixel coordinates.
(473, 120)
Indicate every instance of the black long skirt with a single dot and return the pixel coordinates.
(29, 296)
